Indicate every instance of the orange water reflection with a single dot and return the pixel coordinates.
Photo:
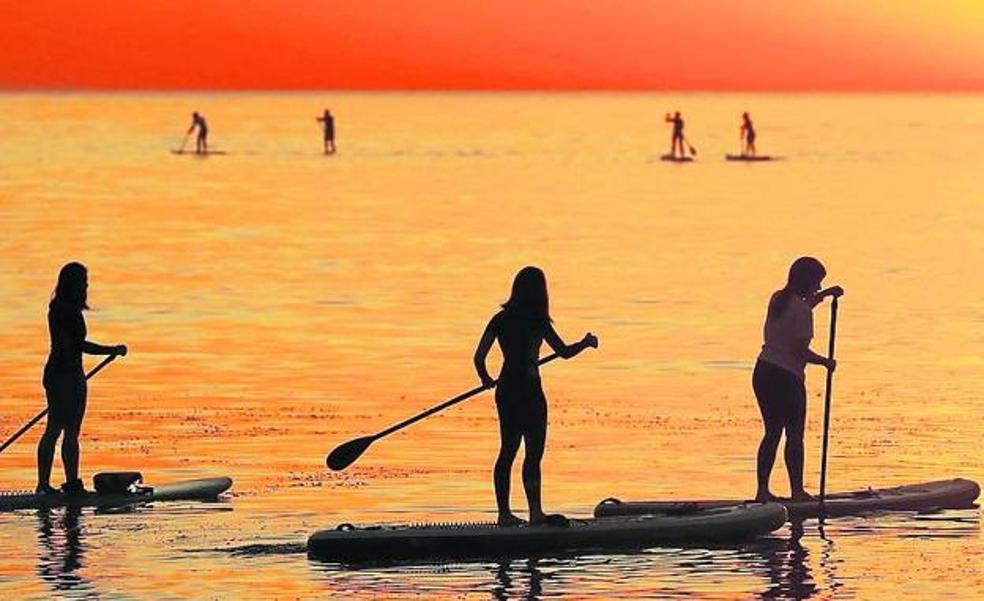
(277, 303)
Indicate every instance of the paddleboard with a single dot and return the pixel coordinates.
(205, 489)
(476, 540)
(957, 493)
(751, 158)
(192, 152)
(676, 159)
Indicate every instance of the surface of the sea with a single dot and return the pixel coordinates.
(277, 302)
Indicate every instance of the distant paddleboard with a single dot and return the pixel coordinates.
(193, 153)
(676, 159)
(751, 158)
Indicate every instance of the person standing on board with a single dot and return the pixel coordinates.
(201, 142)
(747, 136)
(677, 141)
(521, 327)
(779, 377)
(64, 380)
(329, 125)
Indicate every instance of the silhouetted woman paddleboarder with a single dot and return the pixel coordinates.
(328, 122)
(677, 140)
(747, 134)
(64, 380)
(779, 376)
(201, 142)
(521, 327)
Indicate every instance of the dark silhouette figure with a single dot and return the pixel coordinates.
(64, 380)
(521, 327)
(677, 140)
(747, 136)
(201, 142)
(778, 379)
(329, 126)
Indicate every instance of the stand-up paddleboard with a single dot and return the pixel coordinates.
(957, 493)
(347, 543)
(192, 152)
(205, 489)
(675, 159)
(752, 158)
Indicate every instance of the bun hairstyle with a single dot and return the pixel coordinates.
(805, 274)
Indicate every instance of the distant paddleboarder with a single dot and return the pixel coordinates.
(201, 142)
(328, 120)
(747, 135)
(64, 380)
(520, 328)
(778, 379)
(677, 141)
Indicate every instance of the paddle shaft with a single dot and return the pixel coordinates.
(690, 147)
(826, 404)
(41, 415)
(449, 402)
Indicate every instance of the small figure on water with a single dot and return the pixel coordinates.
(329, 126)
(779, 376)
(677, 141)
(64, 381)
(201, 142)
(747, 134)
(521, 327)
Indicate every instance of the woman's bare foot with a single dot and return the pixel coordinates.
(509, 520)
(552, 519)
(803, 496)
(764, 496)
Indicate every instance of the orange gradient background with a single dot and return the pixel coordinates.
(507, 44)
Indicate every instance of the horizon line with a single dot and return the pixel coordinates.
(468, 90)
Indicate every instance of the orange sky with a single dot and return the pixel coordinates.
(495, 44)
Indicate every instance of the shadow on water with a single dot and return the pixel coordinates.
(527, 576)
(801, 562)
(61, 552)
(787, 564)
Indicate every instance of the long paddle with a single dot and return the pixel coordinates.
(41, 415)
(184, 141)
(345, 454)
(693, 151)
(826, 408)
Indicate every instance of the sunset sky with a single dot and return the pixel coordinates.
(499, 44)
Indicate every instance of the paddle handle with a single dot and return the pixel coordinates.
(826, 404)
(41, 415)
(450, 402)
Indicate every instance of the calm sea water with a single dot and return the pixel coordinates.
(277, 303)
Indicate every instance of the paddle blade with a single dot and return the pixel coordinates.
(345, 455)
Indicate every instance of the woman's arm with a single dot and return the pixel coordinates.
(92, 348)
(564, 350)
(482, 351)
(804, 351)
